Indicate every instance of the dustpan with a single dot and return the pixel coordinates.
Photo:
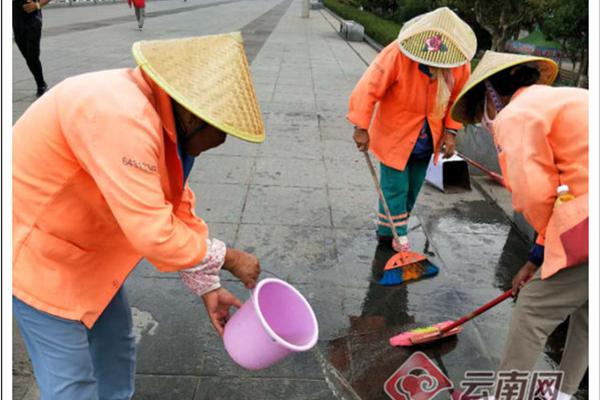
(450, 175)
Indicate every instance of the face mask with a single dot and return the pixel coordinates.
(486, 121)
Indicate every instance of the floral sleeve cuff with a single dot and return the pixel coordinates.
(204, 277)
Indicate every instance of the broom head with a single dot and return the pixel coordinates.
(424, 335)
(407, 266)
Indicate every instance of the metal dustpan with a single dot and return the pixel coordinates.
(450, 175)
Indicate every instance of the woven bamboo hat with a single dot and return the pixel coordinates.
(438, 38)
(472, 95)
(210, 77)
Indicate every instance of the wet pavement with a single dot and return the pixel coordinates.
(304, 203)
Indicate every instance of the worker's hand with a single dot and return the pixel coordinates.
(242, 265)
(29, 7)
(523, 276)
(217, 303)
(361, 138)
(449, 144)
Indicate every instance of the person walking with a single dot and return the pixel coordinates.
(140, 11)
(27, 30)
(413, 81)
(103, 185)
(541, 135)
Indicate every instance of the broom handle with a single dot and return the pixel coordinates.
(497, 177)
(381, 196)
(475, 313)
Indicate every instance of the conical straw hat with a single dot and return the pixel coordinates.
(209, 76)
(491, 63)
(438, 38)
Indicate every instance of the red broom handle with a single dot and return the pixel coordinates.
(497, 177)
(475, 313)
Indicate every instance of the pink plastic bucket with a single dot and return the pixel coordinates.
(273, 323)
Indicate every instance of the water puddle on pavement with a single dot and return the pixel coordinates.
(478, 253)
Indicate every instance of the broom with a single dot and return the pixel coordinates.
(497, 177)
(443, 329)
(406, 265)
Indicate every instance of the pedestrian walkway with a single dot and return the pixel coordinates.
(303, 202)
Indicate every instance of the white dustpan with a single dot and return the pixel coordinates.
(451, 175)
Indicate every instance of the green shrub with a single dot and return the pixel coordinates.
(379, 29)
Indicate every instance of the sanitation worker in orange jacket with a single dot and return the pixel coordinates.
(413, 82)
(541, 134)
(99, 181)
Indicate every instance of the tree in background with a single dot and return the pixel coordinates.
(502, 19)
(567, 22)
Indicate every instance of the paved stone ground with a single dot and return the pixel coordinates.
(304, 203)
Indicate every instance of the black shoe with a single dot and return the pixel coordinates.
(41, 90)
(385, 239)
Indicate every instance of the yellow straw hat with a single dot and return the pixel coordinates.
(438, 38)
(491, 63)
(210, 77)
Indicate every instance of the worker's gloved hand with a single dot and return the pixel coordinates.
(523, 276)
(242, 265)
(449, 144)
(361, 138)
(218, 303)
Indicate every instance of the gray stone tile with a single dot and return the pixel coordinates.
(287, 206)
(353, 208)
(21, 384)
(335, 127)
(275, 106)
(176, 344)
(219, 202)
(294, 253)
(282, 97)
(212, 168)
(299, 366)
(293, 119)
(299, 131)
(160, 387)
(342, 149)
(290, 172)
(212, 388)
(344, 174)
(299, 146)
(236, 147)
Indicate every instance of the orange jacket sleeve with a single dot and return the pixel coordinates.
(461, 77)
(186, 210)
(372, 86)
(530, 167)
(121, 152)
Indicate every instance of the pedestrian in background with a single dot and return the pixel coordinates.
(140, 11)
(27, 29)
(414, 82)
(541, 135)
(103, 184)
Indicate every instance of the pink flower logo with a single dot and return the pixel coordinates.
(434, 43)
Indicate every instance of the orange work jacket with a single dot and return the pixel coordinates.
(405, 97)
(542, 140)
(97, 185)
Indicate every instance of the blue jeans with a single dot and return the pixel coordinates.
(71, 362)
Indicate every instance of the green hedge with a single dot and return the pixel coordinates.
(381, 30)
